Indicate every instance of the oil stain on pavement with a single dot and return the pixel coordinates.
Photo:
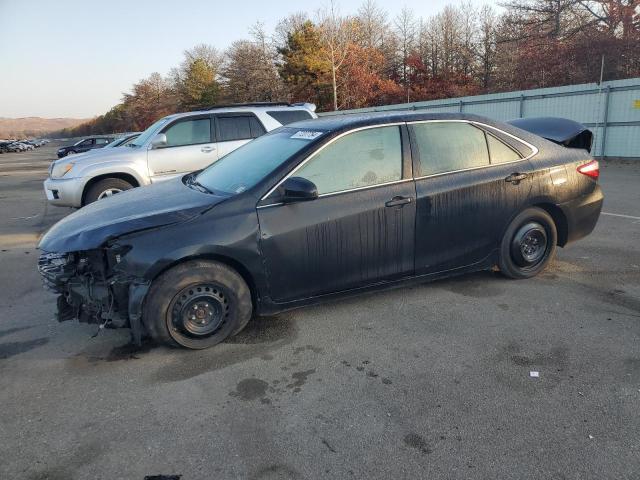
(250, 389)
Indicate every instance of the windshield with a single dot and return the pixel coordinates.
(243, 168)
(116, 143)
(123, 141)
(148, 133)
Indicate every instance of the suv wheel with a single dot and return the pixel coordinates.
(197, 304)
(106, 188)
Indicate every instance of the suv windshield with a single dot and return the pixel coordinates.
(148, 133)
(243, 168)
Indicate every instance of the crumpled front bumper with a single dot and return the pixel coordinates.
(88, 296)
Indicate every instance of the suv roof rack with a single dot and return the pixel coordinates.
(249, 104)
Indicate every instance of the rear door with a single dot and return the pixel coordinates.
(360, 230)
(464, 199)
(101, 142)
(235, 129)
(190, 147)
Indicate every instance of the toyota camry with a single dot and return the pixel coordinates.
(320, 209)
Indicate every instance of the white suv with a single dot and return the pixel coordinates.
(174, 145)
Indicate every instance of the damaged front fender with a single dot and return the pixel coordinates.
(135, 210)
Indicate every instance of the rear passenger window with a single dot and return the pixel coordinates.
(286, 117)
(499, 152)
(449, 146)
(360, 159)
(239, 128)
(189, 132)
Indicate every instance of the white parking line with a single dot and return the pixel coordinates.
(621, 216)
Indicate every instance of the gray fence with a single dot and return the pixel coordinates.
(610, 110)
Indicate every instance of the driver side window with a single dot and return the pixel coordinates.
(360, 159)
(189, 132)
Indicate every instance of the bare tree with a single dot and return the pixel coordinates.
(468, 15)
(373, 24)
(287, 25)
(250, 72)
(620, 18)
(405, 26)
(486, 50)
(552, 19)
(336, 36)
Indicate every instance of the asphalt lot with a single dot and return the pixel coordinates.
(424, 382)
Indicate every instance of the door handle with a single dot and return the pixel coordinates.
(516, 177)
(398, 202)
(207, 149)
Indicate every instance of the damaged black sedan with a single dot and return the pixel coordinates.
(320, 209)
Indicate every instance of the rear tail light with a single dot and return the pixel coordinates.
(591, 169)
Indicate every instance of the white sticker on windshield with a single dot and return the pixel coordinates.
(306, 135)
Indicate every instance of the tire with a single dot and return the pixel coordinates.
(196, 305)
(528, 244)
(69, 152)
(105, 188)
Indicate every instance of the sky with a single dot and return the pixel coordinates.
(73, 58)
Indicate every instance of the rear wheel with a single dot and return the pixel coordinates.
(528, 245)
(197, 304)
(106, 188)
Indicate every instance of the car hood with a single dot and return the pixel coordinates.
(137, 209)
(101, 154)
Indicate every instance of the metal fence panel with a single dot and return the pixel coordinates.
(611, 110)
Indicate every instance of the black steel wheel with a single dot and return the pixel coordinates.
(528, 244)
(197, 304)
(200, 310)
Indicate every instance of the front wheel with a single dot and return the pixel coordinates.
(528, 245)
(104, 188)
(197, 305)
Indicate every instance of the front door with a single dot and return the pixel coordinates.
(85, 145)
(464, 197)
(359, 231)
(189, 147)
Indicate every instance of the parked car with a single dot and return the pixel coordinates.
(84, 145)
(4, 147)
(316, 210)
(14, 147)
(172, 146)
(124, 141)
(19, 147)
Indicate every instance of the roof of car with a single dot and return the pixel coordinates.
(356, 120)
(245, 108)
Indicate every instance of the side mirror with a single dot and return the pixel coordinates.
(159, 141)
(298, 189)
